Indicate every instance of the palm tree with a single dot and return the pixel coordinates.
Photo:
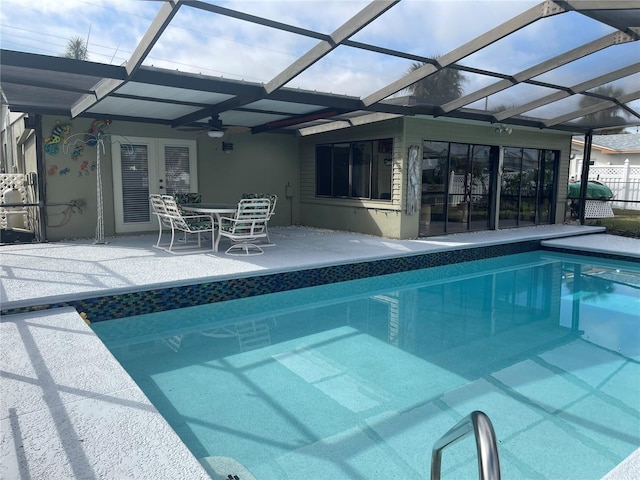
(76, 48)
(608, 116)
(438, 88)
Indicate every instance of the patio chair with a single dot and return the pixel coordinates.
(273, 198)
(248, 225)
(184, 198)
(188, 224)
(159, 210)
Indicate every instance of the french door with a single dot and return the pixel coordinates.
(142, 166)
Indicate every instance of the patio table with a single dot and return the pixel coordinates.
(215, 209)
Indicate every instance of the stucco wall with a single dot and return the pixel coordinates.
(364, 216)
(258, 163)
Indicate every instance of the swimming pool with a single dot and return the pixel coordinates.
(359, 379)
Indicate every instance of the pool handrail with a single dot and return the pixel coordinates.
(488, 461)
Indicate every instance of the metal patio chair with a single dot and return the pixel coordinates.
(159, 210)
(188, 224)
(273, 198)
(247, 225)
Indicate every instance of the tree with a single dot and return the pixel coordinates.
(438, 88)
(76, 48)
(609, 116)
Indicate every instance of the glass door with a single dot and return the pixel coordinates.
(142, 166)
(435, 171)
(546, 199)
(528, 187)
(484, 162)
(459, 188)
(510, 187)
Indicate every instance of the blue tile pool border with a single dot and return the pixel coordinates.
(107, 307)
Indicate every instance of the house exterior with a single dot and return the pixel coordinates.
(606, 150)
(289, 167)
(487, 156)
(614, 161)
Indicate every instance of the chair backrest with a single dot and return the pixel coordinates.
(157, 203)
(251, 217)
(184, 198)
(191, 197)
(173, 211)
(273, 198)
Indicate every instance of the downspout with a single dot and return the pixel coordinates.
(584, 178)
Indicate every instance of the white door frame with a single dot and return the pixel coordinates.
(156, 176)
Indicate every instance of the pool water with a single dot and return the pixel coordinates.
(357, 380)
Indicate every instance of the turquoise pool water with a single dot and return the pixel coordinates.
(357, 380)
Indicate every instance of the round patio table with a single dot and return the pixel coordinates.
(214, 209)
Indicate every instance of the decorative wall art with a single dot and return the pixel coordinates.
(58, 135)
(96, 136)
(414, 179)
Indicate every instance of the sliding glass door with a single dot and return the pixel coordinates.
(527, 187)
(460, 185)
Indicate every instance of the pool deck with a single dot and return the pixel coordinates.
(70, 411)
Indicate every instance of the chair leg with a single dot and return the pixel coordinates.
(246, 247)
(159, 232)
(172, 237)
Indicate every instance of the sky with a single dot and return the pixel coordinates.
(202, 42)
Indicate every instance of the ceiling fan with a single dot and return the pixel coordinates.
(215, 128)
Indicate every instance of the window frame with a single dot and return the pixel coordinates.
(334, 179)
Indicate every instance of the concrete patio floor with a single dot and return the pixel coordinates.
(34, 274)
(68, 408)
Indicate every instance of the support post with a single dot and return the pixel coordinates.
(584, 178)
(41, 173)
(626, 186)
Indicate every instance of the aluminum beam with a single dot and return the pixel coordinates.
(528, 17)
(546, 66)
(629, 97)
(166, 13)
(364, 17)
(579, 88)
(579, 5)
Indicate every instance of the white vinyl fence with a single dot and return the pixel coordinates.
(623, 180)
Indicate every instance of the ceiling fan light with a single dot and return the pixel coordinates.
(215, 133)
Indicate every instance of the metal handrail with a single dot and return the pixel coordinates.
(488, 461)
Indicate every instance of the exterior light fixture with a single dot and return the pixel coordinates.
(502, 128)
(227, 147)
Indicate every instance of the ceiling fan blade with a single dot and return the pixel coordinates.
(231, 129)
